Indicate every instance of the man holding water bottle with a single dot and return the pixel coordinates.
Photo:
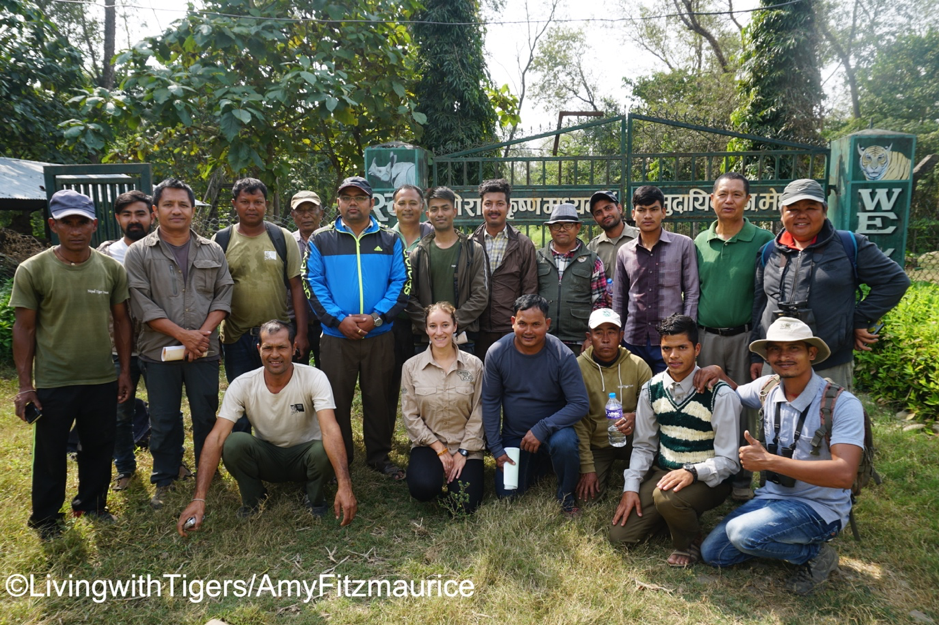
(608, 369)
(684, 450)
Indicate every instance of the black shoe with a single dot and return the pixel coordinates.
(318, 511)
(814, 573)
(246, 512)
(100, 516)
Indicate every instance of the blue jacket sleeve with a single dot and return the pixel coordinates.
(571, 382)
(399, 284)
(321, 300)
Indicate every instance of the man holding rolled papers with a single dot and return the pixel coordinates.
(533, 394)
(180, 290)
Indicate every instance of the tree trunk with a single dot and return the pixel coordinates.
(107, 63)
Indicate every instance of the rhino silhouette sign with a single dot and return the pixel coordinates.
(392, 174)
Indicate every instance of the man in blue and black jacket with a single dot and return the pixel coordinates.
(359, 281)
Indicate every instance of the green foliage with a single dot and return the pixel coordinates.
(7, 317)
(904, 366)
(452, 90)
(242, 87)
(781, 85)
(39, 68)
(505, 104)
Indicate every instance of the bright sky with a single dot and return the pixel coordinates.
(612, 55)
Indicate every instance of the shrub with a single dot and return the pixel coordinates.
(7, 316)
(904, 366)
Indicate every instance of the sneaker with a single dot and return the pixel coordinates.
(814, 573)
(185, 473)
(122, 481)
(318, 511)
(96, 515)
(49, 531)
(573, 513)
(246, 512)
(159, 497)
(741, 493)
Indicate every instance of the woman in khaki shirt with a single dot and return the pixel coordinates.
(440, 392)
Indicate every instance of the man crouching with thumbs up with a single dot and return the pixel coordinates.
(805, 497)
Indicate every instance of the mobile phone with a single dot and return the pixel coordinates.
(876, 328)
(32, 413)
(190, 523)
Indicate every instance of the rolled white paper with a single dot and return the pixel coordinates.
(510, 471)
(176, 352)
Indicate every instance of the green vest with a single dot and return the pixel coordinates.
(569, 302)
(685, 430)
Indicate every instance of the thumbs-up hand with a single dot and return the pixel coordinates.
(753, 456)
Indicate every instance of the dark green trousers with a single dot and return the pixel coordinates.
(680, 511)
(252, 462)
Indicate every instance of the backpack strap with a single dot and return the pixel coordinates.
(772, 383)
(223, 238)
(827, 408)
(765, 252)
(280, 244)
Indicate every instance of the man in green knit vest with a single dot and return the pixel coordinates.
(684, 450)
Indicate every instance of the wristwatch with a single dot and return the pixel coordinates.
(376, 318)
(462, 452)
(690, 468)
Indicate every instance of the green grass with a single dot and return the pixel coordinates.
(528, 565)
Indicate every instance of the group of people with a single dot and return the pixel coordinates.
(489, 344)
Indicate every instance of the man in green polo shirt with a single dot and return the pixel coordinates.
(727, 254)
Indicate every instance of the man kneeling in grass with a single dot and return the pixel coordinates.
(692, 439)
(290, 406)
(806, 498)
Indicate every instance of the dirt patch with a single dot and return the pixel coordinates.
(18, 246)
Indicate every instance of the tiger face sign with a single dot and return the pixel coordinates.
(881, 163)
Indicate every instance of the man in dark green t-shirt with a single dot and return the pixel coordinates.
(62, 298)
(448, 266)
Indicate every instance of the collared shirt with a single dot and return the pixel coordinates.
(847, 427)
(725, 272)
(443, 406)
(599, 289)
(157, 290)
(495, 248)
(426, 229)
(724, 419)
(653, 284)
(607, 248)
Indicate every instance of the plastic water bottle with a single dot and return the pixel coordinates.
(614, 412)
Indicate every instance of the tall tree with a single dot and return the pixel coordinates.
(252, 86)
(781, 83)
(452, 90)
(39, 67)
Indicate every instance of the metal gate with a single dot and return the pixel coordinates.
(102, 183)
(626, 152)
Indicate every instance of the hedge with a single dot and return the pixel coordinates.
(904, 366)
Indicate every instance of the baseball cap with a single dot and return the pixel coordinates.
(608, 194)
(803, 189)
(790, 330)
(562, 213)
(358, 182)
(69, 202)
(304, 196)
(603, 315)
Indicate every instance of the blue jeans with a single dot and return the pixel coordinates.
(242, 356)
(124, 459)
(560, 453)
(779, 529)
(165, 382)
(651, 354)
